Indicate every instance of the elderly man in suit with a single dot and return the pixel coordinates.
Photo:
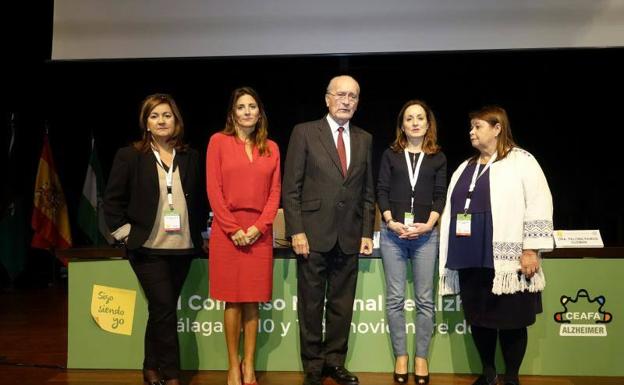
(328, 201)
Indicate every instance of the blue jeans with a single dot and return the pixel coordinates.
(396, 254)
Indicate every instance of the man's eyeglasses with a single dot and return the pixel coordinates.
(344, 96)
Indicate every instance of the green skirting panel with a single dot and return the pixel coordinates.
(579, 333)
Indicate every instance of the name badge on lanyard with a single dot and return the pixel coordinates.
(171, 219)
(413, 176)
(462, 227)
(408, 219)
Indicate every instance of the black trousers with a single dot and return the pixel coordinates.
(161, 277)
(330, 276)
(513, 345)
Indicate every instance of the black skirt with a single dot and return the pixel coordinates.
(485, 309)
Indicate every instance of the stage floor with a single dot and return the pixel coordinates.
(33, 351)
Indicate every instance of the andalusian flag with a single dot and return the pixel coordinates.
(90, 216)
(50, 221)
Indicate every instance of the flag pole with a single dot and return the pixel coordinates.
(53, 280)
(12, 133)
(52, 250)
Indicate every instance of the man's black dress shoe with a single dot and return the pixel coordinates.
(341, 375)
(511, 380)
(158, 382)
(312, 379)
(483, 380)
(153, 375)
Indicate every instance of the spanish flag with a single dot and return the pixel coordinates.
(50, 221)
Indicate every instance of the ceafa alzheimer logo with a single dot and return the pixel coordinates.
(583, 316)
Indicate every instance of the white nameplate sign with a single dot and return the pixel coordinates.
(577, 238)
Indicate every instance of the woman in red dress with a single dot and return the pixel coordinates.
(243, 182)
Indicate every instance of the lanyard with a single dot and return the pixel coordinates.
(476, 175)
(413, 174)
(169, 177)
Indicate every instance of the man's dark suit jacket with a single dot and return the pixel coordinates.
(132, 193)
(317, 199)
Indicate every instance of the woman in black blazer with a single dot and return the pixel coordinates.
(411, 192)
(151, 203)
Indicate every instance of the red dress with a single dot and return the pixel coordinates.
(242, 193)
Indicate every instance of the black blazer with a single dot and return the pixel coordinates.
(317, 199)
(132, 193)
(394, 190)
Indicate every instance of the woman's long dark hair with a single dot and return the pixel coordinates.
(429, 145)
(259, 135)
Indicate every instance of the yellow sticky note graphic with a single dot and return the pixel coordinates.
(113, 309)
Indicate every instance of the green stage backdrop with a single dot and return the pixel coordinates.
(579, 333)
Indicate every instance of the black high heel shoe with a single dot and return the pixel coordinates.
(400, 378)
(421, 380)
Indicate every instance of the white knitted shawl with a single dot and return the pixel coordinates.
(521, 219)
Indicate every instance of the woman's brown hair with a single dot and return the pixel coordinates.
(429, 145)
(148, 104)
(497, 115)
(259, 135)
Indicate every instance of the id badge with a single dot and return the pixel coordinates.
(409, 219)
(463, 225)
(172, 221)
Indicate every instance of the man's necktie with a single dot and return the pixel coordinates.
(342, 152)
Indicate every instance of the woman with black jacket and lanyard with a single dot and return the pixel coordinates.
(151, 204)
(411, 192)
